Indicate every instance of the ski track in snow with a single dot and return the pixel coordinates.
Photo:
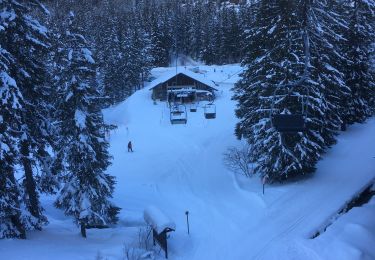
(180, 167)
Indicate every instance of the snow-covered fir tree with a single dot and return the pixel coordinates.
(11, 225)
(87, 190)
(26, 39)
(286, 71)
(110, 56)
(360, 34)
(325, 33)
(196, 29)
(208, 53)
(159, 41)
(231, 41)
(143, 61)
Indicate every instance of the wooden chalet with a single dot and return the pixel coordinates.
(183, 87)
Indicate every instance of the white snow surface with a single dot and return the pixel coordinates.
(351, 237)
(180, 167)
(80, 119)
(201, 76)
(88, 55)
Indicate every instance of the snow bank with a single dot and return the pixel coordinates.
(157, 219)
(351, 236)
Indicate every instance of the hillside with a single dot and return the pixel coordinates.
(180, 167)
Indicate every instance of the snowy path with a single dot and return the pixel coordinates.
(180, 167)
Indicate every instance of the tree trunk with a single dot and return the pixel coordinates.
(83, 229)
(16, 218)
(17, 223)
(30, 185)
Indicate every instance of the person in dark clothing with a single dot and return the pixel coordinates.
(130, 147)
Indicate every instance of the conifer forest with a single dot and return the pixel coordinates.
(62, 62)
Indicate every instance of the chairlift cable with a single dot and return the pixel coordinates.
(230, 76)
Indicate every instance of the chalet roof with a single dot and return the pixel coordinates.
(170, 74)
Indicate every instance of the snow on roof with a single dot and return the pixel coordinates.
(170, 74)
(157, 219)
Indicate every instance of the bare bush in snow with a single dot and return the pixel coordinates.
(140, 249)
(238, 160)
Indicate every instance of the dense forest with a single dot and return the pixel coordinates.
(63, 61)
(130, 37)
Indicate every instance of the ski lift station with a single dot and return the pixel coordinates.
(182, 87)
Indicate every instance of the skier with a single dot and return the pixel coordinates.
(130, 147)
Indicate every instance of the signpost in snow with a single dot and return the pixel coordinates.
(264, 181)
(187, 221)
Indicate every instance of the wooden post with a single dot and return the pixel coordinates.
(83, 229)
(166, 245)
(187, 221)
(264, 180)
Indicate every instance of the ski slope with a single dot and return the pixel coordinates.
(180, 167)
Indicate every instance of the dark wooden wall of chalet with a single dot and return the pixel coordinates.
(160, 92)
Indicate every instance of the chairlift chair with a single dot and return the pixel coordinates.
(290, 123)
(193, 107)
(178, 115)
(210, 111)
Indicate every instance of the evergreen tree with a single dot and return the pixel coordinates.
(11, 224)
(207, 53)
(359, 37)
(196, 30)
(159, 51)
(280, 79)
(27, 42)
(110, 56)
(218, 37)
(231, 35)
(324, 29)
(87, 189)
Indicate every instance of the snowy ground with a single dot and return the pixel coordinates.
(180, 167)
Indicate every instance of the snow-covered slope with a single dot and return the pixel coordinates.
(179, 167)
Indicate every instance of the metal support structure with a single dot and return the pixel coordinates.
(83, 229)
(187, 221)
(161, 239)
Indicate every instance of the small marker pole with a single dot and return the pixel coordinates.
(187, 220)
(264, 180)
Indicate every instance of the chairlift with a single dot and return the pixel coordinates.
(210, 111)
(290, 123)
(178, 114)
(193, 107)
